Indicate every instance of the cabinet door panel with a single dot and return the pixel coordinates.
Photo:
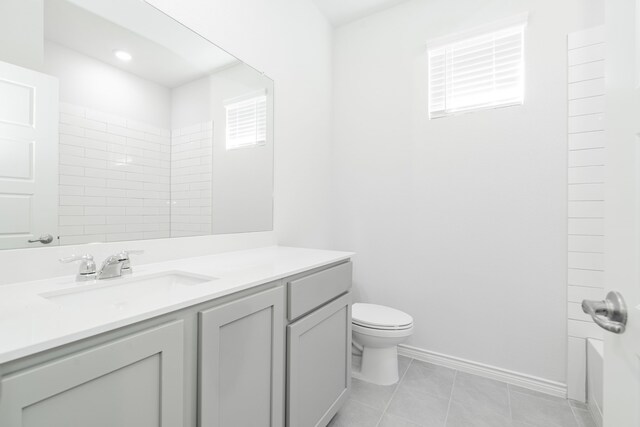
(134, 381)
(241, 362)
(319, 364)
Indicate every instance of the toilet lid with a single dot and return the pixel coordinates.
(380, 317)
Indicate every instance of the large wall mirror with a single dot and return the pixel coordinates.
(130, 126)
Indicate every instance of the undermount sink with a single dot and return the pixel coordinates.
(121, 292)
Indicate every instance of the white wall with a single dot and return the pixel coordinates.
(21, 36)
(94, 84)
(459, 221)
(290, 41)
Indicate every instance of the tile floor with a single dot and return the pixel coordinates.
(428, 395)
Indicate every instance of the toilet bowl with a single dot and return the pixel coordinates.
(377, 330)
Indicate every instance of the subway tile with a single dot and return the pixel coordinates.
(71, 170)
(586, 192)
(592, 278)
(124, 219)
(586, 226)
(123, 201)
(586, 174)
(580, 141)
(160, 234)
(94, 201)
(104, 210)
(71, 140)
(97, 173)
(590, 157)
(586, 37)
(70, 230)
(125, 132)
(579, 293)
(82, 122)
(71, 190)
(75, 220)
(116, 237)
(95, 229)
(582, 209)
(586, 243)
(72, 150)
(96, 154)
(580, 329)
(70, 210)
(65, 129)
(583, 106)
(105, 136)
(586, 260)
(587, 88)
(586, 123)
(94, 144)
(588, 71)
(586, 54)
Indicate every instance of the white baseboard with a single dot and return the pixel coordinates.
(522, 380)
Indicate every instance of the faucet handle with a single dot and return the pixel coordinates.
(126, 262)
(87, 269)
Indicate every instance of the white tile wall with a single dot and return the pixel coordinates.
(114, 178)
(191, 163)
(586, 163)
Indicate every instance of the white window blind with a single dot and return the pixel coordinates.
(246, 122)
(482, 71)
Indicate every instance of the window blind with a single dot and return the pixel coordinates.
(246, 122)
(482, 71)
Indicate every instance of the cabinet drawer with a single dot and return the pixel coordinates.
(309, 292)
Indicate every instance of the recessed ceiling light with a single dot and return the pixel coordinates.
(122, 55)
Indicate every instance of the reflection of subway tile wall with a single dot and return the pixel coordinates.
(586, 144)
(114, 178)
(191, 162)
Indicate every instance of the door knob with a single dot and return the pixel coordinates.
(45, 239)
(610, 314)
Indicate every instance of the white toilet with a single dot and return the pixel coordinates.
(377, 330)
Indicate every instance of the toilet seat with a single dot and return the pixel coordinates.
(380, 317)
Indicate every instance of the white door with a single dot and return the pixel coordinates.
(28, 157)
(622, 351)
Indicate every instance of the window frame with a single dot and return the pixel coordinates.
(505, 26)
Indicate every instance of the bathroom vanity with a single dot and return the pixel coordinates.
(252, 338)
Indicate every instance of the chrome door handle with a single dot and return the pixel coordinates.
(610, 314)
(45, 239)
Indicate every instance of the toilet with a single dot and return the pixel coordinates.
(377, 330)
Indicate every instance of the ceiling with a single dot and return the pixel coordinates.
(340, 12)
(172, 62)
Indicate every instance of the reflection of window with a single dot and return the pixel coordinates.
(475, 72)
(247, 121)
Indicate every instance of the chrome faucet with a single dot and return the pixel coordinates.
(114, 266)
(117, 265)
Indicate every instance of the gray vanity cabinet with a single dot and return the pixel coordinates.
(135, 381)
(241, 362)
(318, 345)
(319, 364)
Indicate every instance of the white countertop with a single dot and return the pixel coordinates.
(30, 323)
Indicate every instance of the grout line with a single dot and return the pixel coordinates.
(446, 418)
(509, 398)
(384, 411)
